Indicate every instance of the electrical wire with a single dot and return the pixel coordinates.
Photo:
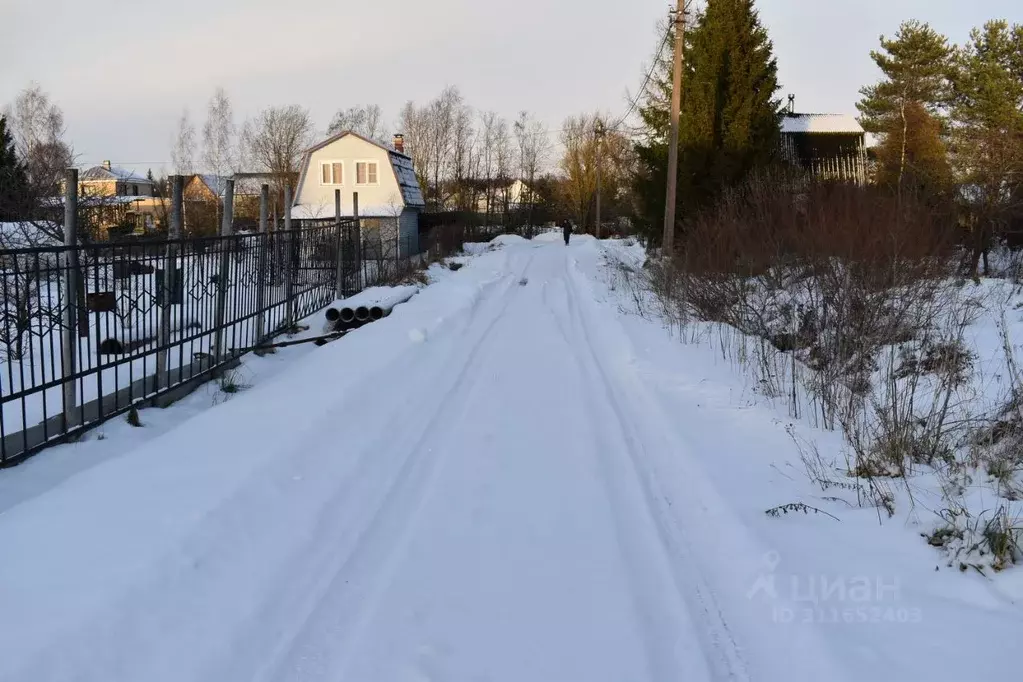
(633, 101)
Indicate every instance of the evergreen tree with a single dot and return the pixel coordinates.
(915, 157)
(916, 65)
(907, 107)
(729, 122)
(13, 178)
(988, 129)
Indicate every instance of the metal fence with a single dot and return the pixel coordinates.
(89, 331)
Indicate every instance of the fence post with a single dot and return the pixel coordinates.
(169, 284)
(226, 230)
(69, 345)
(357, 241)
(340, 264)
(261, 275)
(290, 244)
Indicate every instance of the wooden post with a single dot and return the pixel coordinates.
(263, 246)
(339, 289)
(69, 342)
(226, 230)
(290, 245)
(668, 240)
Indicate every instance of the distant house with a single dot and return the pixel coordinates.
(247, 190)
(250, 184)
(506, 195)
(116, 199)
(204, 188)
(110, 181)
(828, 146)
(204, 197)
(390, 198)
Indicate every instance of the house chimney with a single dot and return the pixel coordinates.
(106, 164)
(792, 104)
(399, 143)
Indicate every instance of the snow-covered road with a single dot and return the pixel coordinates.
(486, 485)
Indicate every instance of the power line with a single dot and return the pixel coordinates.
(633, 101)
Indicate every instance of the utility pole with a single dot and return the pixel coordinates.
(598, 134)
(668, 241)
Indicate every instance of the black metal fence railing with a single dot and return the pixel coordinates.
(143, 319)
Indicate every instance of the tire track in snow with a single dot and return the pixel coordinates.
(794, 653)
(337, 614)
(330, 488)
(722, 654)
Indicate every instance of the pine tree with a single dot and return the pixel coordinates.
(915, 156)
(13, 178)
(916, 65)
(988, 129)
(906, 105)
(729, 122)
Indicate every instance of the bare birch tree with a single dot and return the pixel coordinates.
(442, 115)
(419, 142)
(218, 134)
(274, 142)
(366, 120)
(463, 159)
(183, 149)
(534, 145)
(37, 125)
(488, 133)
(504, 162)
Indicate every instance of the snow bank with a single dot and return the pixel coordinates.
(507, 240)
(134, 522)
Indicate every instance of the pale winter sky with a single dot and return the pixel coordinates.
(123, 70)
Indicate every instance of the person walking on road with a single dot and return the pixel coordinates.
(567, 229)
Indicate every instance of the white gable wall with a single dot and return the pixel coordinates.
(317, 199)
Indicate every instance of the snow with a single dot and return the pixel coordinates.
(97, 200)
(112, 173)
(512, 477)
(820, 123)
(385, 297)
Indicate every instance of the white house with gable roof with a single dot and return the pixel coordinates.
(390, 198)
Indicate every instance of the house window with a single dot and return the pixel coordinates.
(331, 173)
(366, 173)
(134, 190)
